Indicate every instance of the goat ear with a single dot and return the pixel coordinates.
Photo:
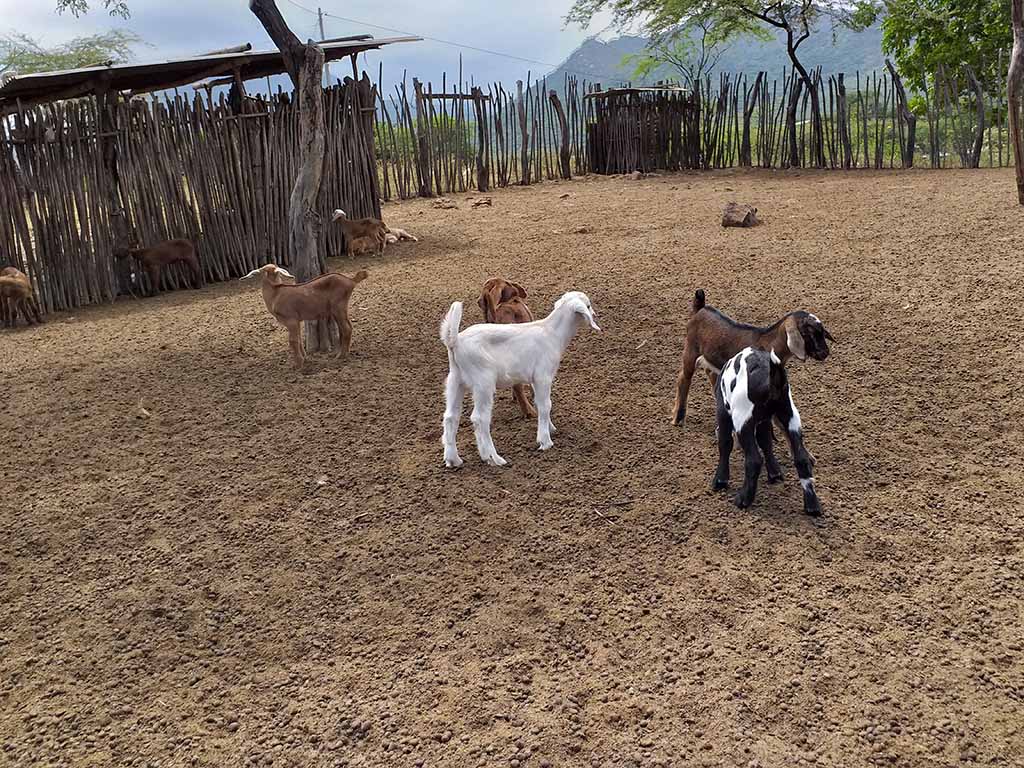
(795, 340)
(483, 302)
(519, 289)
(251, 274)
(283, 271)
(584, 310)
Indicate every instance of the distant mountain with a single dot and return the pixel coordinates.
(845, 51)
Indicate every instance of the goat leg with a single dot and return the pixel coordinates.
(765, 442)
(154, 279)
(453, 395)
(752, 465)
(295, 342)
(789, 417)
(542, 399)
(683, 386)
(525, 406)
(721, 479)
(483, 405)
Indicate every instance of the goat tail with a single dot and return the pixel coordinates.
(699, 300)
(359, 276)
(450, 325)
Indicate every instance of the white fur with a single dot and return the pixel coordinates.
(807, 483)
(737, 401)
(279, 270)
(339, 214)
(794, 421)
(394, 234)
(487, 356)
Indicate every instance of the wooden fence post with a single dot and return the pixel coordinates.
(1014, 80)
(524, 135)
(422, 139)
(483, 170)
(907, 151)
(563, 151)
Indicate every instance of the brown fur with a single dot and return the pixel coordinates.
(322, 298)
(502, 302)
(716, 338)
(16, 296)
(154, 259)
(362, 235)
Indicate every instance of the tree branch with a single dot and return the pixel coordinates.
(290, 46)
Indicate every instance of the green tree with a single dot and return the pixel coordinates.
(927, 36)
(21, 54)
(78, 7)
(798, 19)
(692, 49)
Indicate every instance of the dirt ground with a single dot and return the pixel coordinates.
(275, 569)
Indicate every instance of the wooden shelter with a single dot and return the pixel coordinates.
(81, 177)
(643, 129)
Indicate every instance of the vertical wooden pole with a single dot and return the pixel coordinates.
(1014, 79)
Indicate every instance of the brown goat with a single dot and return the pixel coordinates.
(155, 258)
(716, 338)
(16, 295)
(322, 298)
(502, 302)
(361, 236)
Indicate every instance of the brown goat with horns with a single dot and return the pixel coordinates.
(322, 298)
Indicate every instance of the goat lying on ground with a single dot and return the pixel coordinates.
(484, 357)
(154, 259)
(322, 298)
(361, 236)
(752, 389)
(502, 302)
(16, 296)
(393, 235)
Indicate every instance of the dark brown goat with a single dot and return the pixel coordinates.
(322, 298)
(155, 258)
(16, 295)
(717, 337)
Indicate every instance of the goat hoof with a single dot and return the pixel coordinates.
(742, 500)
(719, 484)
(453, 463)
(813, 510)
(496, 461)
(776, 477)
(545, 446)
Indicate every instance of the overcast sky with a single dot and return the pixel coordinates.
(531, 29)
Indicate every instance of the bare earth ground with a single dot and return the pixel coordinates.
(181, 590)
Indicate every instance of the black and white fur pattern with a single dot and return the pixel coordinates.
(752, 389)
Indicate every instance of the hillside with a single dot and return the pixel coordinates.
(601, 61)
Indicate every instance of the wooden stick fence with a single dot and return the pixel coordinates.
(222, 175)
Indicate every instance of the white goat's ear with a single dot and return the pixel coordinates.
(794, 340)
(588, 313)
(338, 214)
(251, 274)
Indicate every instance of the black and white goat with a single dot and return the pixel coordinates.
(752, 389)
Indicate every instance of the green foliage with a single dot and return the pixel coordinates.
(78, 7)
(925, 36)
(21, 54)
(458, 139)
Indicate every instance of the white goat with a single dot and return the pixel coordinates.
(489, 355)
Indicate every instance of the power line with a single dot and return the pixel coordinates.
(453, 44)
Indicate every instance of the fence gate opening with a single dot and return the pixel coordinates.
(643, 129)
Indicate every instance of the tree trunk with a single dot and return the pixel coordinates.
(979, 128)
(907, 152)
(483, 169)
(563, 152)
(423, 142)
(817, 148)
(1014, 80)
(791, 110)
(305, 64)
(523, 135)
(750, 102)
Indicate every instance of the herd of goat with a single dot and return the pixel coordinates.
(511, 349)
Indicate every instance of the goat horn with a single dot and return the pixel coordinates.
(285, 272)
(254, 272)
